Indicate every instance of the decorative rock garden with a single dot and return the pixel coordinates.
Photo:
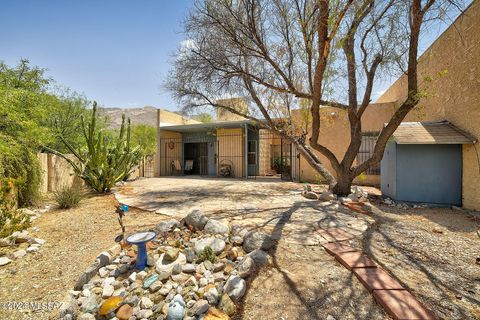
(196, 269)
(19, 243)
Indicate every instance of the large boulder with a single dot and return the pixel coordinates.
(215, 227)
(260, 257)
(257, 240)
(196, 219)
(216, 244)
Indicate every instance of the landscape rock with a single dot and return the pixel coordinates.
(176, 308)
(326, 196)
(19, 254)
(227, 305)
(200, 307)
(259, 256)
(310, 195)
(107, 291)
(168, 225)
(4, 261)
(216, 244)
(21, 237)
(212, 296)
(344, 200)
(167, 265)
(124, 312)
(215, 227)
(246, 267)
(196, 219)
(146, 303)
(215, 314)
(257, 240)
(235, 287)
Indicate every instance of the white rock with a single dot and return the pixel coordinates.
(163, 265)
(235, 287)
(141, 275)
(33, 248)
(108, 280)
(107, 291)
(216, 244)
(132, 277)
(19, 254)
(216, 227)
(37, 241)
(103, 272)
(4, 261)
(146, 303)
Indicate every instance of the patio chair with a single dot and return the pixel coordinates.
(176, 167)
(188, 166)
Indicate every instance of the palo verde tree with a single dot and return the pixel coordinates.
(283, 55)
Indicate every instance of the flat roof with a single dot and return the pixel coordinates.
(199, 127)
(439, 132)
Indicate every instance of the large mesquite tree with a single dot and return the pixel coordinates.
(291, 54)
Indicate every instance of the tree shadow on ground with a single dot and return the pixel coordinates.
(422, 256)
(312, 302)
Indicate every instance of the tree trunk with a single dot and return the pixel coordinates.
(343, 185)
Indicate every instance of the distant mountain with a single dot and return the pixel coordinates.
(145, 115)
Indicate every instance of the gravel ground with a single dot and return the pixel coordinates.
(73, 239)
(432, 252)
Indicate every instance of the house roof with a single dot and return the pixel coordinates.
(198, 127)
(440, 132)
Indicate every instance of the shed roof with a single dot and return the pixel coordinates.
(439, 132)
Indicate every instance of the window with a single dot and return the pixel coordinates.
(366, 151)
(252, 152)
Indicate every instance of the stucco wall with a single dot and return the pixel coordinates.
(453, 62)
(335, 135)
(56, 173)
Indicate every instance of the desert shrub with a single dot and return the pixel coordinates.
(68, 197)
(106, 159)
(12, 220)
(206, 254)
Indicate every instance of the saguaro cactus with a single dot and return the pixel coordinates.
(104, 161)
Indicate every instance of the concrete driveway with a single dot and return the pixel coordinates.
(255, 203)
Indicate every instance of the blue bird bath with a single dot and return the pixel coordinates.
(140, 239)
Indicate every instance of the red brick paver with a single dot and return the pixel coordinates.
(335, 248)
(376, 279)
(335, 234)
(355, 260)
(402, 305)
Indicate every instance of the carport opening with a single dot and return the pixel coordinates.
(198, 153)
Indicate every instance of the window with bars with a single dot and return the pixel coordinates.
(366, 151)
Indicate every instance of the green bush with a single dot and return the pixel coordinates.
(12, 220)
(206, 254)
(68, 197)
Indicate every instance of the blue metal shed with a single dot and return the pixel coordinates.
(423, 163)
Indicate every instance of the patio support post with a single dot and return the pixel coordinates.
(157, 153)
(246, 151)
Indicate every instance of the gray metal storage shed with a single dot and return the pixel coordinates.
(423, 163)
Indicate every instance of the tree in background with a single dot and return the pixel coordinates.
(27, 109)
(279, 53)
(145, 137)
(204, 117)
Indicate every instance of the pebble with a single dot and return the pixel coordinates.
(19, 254)
(107, 291)
(235, 287)
(132, 277)
(146, 303)
(200, 307)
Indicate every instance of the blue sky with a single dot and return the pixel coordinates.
(117, 52)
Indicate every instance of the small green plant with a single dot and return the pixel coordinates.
(68, 197)
(206, 254)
